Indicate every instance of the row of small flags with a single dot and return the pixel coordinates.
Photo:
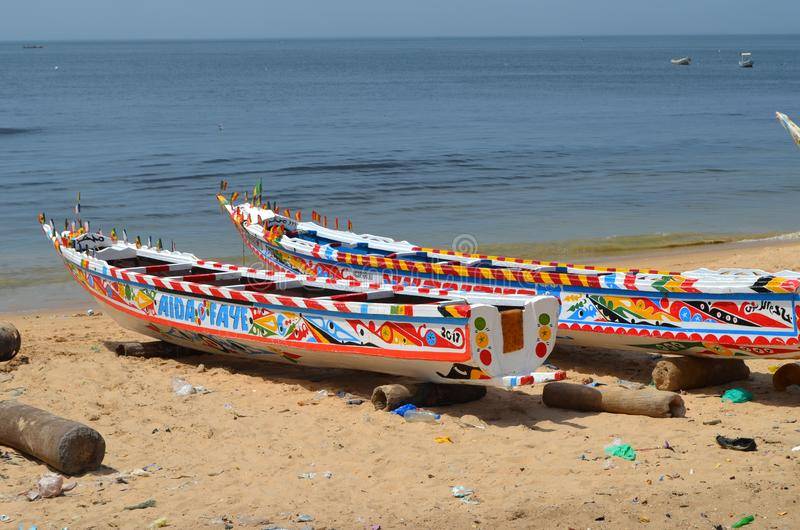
(82, 227)
(298, 216)
(77, 228)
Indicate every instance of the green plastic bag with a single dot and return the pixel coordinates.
(737, 395)
(624, 451)
(743, 521)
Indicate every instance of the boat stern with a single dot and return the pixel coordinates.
(510, 343)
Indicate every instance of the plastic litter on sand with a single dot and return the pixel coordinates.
(737, 395)
(464, 494)
(620, 450)
(402, 409)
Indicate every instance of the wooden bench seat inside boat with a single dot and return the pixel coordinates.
(135, 262)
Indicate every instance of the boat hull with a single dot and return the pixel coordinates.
(686, 322)
(457, 347)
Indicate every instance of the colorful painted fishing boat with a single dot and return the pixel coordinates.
(217, 308)
(717, 313)
(790, 126)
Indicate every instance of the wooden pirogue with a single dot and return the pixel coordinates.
(719, 313)
(422, 333)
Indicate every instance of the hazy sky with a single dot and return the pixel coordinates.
(178, 19)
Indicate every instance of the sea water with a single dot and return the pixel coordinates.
(599, 141)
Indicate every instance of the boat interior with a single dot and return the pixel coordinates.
(185, 268)
(132, 260)
(367, 249)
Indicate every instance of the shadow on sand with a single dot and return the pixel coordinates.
(499, 407)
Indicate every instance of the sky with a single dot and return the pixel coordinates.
(221, 19)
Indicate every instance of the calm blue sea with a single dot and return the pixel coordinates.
(510, 140)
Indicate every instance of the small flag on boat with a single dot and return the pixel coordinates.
(223, 185)
(287, 213)
(314, 215)
(114, 235)
(257, 190)
(234, 196)
(124, 235)
(298, 215)
(336, 222)
(41, 218)
(246, 198)
(326, 221)
(150, 241)
(86, 226)
(66, 224)
(159, 245)
(172, 246)
(78, 205)
(138, 242)
(349, 225)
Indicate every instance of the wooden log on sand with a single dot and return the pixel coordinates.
(786, 375)
(644, 402)
(10, 341)
(146, 349)
(66, 445)
(389, 397)
(683, 373)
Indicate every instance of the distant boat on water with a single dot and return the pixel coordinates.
(746, 60)
(682, 61)
(32, 46)
(790, 126)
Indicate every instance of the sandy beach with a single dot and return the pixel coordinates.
(263, 449)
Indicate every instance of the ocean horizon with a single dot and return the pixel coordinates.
(583, 146)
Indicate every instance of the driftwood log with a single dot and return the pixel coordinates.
(644, 402)
(389, 397)
(786, 375)
(66, 445)
(683, 373)
(10, 341)
(146, 349)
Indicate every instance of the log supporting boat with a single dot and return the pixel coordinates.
(426, 334)
(726, 313)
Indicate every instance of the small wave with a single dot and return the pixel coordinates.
(362, 166)
(789, 236)
(7, 131)
(217, 161)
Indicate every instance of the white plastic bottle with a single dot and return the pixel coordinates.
(425, 416)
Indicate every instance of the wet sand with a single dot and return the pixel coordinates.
(236, 453)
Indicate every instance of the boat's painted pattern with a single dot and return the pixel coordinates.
(631, 309)
(284, 323)
(445, 341)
